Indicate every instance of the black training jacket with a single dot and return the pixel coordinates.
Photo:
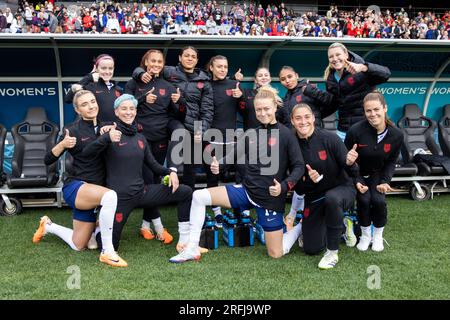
(124, 161)
(348, 94)
(196, 102)
(153, 118)
(326, 153)
(91, 168)
(375, 157)
(105, 97)
(256, 181)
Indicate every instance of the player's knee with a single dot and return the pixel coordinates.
(201, 197)
(110, 197)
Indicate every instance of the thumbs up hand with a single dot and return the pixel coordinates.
(237, 93)
(275, 190)
(176, 96)
(115, 134)
(352, 155)
(238, 75)
(215, 168)
(146, 77)
(150, 98)
(69, 142)
(313, 174)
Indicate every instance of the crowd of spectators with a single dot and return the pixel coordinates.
(212, 18)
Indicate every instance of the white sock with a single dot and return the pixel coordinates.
(106, 219)
(183, 230)
(298, 203)
(217, 211)
(332, 251)
(290, 237)
(200, 199)
(378, 232)
(366, 232)
(145, 224)
(64, 233)
(159, 228)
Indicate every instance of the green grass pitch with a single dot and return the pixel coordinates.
(415, 266)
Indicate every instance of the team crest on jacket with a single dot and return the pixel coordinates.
(242, 105)
(200, 85)
(291, 185)
(306, 213)
(387, 147)
(323, 155)
(118, 93)
(229, 92)
(119, 217)
(351, 81)
(298, 98)
(272, 141)
(141, 144)
(162, 92)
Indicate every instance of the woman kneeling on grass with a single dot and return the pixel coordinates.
(83, 190)
(260, 189)
(327, 187)
(126, 151)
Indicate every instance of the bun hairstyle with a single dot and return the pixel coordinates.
(101, 58)
(332, 46)
(268, 92)
(378, 96)
(145, 56)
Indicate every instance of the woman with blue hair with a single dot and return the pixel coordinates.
(126, 150)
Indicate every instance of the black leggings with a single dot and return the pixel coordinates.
(371, 206)
(323, 219)
(154, 195)
(159, 151)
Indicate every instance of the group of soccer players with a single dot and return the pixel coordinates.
(122, 138)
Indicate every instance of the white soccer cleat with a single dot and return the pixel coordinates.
(364, 243)
(329, 260)
(377, 244)
(188, 254)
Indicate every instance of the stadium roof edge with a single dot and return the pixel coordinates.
(85, 38)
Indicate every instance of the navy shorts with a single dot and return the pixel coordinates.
(268, 219)
(70, 194)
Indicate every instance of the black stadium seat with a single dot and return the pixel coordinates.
(330, 123)
(418, 132)
(2, 152)
(32, 139)
(444, 130)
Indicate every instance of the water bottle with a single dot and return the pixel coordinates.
(244, 235)
(228, 228)
(209, 237)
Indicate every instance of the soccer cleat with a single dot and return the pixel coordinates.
(113, 259)
(377, 244)
(40, 232)
(349, 235)
(188, 254)
(165, 238)
(364, 243)
(329, 260)
(180, 247)
(147, 234)
(92, 243)
(219, 220)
